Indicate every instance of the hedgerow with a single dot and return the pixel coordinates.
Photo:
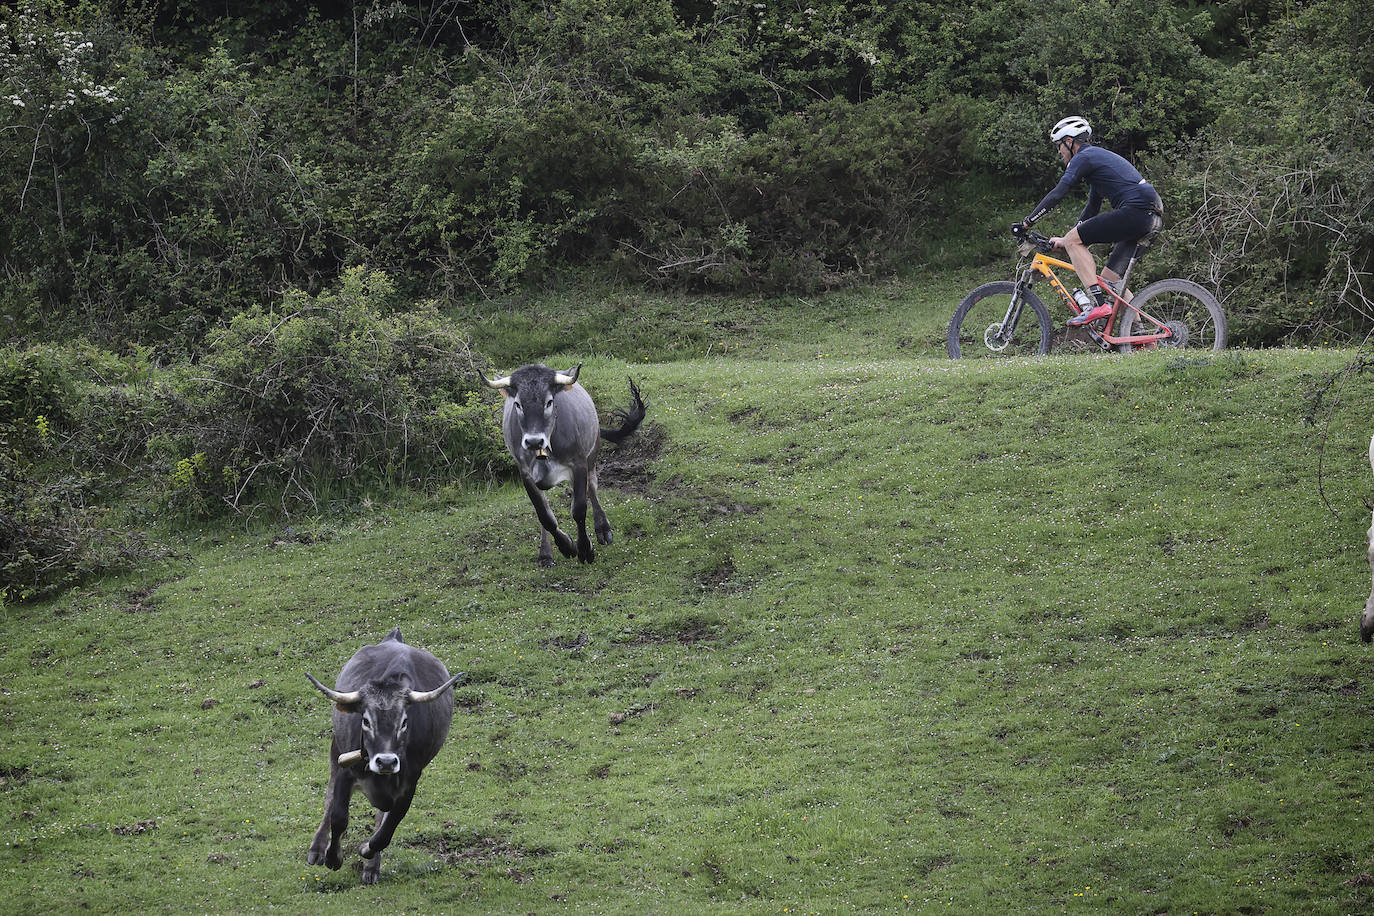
(166, 168)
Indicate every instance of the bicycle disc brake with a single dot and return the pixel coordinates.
(993, 339)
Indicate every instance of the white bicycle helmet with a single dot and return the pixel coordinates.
(1071, 127)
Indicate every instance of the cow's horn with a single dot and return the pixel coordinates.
(428, 695)
(567, 378)
(498, 384)
(342, 699)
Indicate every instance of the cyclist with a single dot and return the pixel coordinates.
(1136, 216)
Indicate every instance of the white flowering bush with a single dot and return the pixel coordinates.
(57, 91)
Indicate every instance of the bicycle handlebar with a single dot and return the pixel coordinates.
(1031, 237)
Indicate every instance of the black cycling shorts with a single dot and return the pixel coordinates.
(1130, 228)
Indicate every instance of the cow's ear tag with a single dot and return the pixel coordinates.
(506, 392)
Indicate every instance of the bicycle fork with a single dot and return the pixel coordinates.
(1008, 326)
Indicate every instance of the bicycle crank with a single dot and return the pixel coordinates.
(1097, 339)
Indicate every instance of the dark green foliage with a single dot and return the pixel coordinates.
(71, 422)
(829, 195)
(332, 394)
(168, 168)
(1275, 202)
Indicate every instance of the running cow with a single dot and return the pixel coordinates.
(552, 431)
(392, 711)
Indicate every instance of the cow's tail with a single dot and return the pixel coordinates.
(629, 419)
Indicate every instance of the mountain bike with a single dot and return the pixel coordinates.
(1007, 318)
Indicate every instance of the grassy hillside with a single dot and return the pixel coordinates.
(876, 632)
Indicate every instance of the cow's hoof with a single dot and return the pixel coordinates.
(546, 562)
(329, 858)
(369, 876)
(603, 537)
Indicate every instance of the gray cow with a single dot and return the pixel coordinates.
(552, 431)
(392, 711)
(1367, 618)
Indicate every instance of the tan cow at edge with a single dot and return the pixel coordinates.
(1367, 618)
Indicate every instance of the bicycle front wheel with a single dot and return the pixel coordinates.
(985, 325)
(1193, 314)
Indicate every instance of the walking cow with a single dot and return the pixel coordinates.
(392, 711)
(552, 431)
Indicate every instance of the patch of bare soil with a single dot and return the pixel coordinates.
(475, 850)
(572, 643)
(721, 578)
(626, 466)
(687, 630)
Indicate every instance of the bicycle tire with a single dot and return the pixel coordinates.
(1188, 309)
(988, 304)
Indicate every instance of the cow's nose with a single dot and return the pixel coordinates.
(385, 763)
(537, 444)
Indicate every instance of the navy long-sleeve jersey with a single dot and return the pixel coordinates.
(1108, 176)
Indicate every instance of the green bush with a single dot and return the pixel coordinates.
(1274, 205)
(331, 394)
(827, 196)
(72, 424)
(36, 382)
(54, 387)
(51, 537)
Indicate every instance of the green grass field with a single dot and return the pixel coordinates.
(878, 631)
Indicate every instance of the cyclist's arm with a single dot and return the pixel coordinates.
(1052, 199)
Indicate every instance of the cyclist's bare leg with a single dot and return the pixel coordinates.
(1114, 278)
(1080, 257)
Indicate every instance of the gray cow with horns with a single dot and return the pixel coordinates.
(392, 709)
(552, 431)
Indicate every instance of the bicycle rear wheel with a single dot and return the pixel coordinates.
(975, 331)
(1187, 309)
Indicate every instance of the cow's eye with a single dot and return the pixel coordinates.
(367, 723)
(548, 403)
(405, 723)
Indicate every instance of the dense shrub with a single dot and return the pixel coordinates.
(327, 396)
(830, 195)
(331, 394)
(50, 392)
(1274, 205)
(51, 538)
(69, 429)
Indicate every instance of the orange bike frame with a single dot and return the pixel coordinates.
(1044, 265)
